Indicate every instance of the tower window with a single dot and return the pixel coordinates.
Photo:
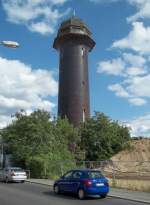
(82, 51)
(83, 115)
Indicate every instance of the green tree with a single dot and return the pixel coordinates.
(101, 137)
(36, 140)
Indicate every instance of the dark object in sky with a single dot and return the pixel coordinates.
(73, 42)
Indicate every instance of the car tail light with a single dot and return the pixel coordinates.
(87, 182)
(12, 174)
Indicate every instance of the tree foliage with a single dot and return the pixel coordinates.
(44, 146)
(101, 137)
(35, 139)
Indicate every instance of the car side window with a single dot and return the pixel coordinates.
(67, 175)
(77, 174)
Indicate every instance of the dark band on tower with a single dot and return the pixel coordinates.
(73, 42)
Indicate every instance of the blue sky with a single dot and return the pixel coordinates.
(118, 65)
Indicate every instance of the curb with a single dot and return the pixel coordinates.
(129, 199)
(110, 195)
(41, 183)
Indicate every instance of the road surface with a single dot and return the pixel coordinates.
(35, 194)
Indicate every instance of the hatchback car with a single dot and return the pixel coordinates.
(82, 182)
(15, 174)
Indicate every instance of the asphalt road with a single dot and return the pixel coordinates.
(34, 194)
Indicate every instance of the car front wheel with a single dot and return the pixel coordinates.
(81, 194)
(56, 189)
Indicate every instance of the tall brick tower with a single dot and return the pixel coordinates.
(73, 42)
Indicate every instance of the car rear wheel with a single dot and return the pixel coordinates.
(56, 189)
(103, 195)
(81, 194)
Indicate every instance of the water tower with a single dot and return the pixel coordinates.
(73, 42)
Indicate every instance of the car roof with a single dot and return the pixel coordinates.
(13, 168)
(85, 170)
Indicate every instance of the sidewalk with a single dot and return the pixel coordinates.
(114, 192)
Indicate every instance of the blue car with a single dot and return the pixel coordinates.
(82, 182)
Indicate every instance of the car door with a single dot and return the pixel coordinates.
(65, 183)
(75, 181)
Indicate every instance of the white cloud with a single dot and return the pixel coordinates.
(114, 67)
(135, 86)
(138, 39)
(41, 27)
(38, 16)
(140, 126)
(119, 90)
(130, 64)
(135, 71)
(137, 101)
(134, 60)
(140, 86)
(135, 89)
(143, 7)
(22, 87)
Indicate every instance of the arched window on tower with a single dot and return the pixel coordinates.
(83, 115)
(82, 51)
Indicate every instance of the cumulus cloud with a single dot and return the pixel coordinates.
(140, 126)
(143, 9)
(135, 71)
(119, 90)
(38, 16)
(22, 87)
(137, 40)
(136, 66)
(114, 67)
(137, 101)
(135, 77)
(140, 86)
(135, 89)
(134, 60)
(127, 64)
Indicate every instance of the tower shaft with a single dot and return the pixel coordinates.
(73, 99)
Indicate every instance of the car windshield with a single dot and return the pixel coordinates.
(95, 174)
(17, 170)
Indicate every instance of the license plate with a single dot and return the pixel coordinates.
(99, 184)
